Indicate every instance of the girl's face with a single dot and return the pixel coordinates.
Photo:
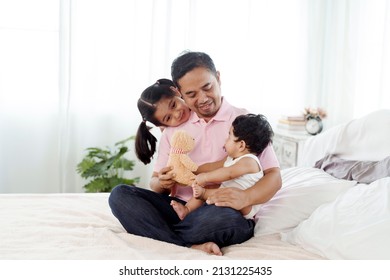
(172, 111)
(232, 146)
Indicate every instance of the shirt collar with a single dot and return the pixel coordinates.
(223, 113)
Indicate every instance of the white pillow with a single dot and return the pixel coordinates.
(361, 139)
(303, 190)
(355, 226)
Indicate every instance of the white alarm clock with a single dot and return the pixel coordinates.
(313, 125)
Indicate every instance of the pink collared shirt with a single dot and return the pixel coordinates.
(209, 141)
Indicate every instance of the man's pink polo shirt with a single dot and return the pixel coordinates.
(209, 141)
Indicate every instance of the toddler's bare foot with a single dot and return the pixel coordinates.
(208, 247)
(180, 209)
(198, 191)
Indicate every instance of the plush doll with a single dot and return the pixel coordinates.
(181, 144)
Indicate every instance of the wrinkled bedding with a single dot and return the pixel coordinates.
(81, 226)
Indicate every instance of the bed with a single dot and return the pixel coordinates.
(320, 212)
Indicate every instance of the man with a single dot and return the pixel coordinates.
(149, 214)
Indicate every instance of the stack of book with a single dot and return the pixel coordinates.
(292, 124)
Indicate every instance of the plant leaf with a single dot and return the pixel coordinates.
(96, 185)
(103, 166)
(98, 152)
(124, 163)
(84, 165)
(122, 142)
(107, 184)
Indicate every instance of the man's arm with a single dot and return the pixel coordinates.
(259, 193)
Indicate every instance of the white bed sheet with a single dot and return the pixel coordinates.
(81, 226)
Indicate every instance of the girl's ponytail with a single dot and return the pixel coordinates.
(145, 143)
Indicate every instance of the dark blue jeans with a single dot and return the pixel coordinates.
(146, 213)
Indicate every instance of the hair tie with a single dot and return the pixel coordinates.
(147, 103)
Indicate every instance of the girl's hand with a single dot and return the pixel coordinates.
(165, 178)
(229, 197)
(176, 91)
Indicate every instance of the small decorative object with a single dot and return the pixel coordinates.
(314, 120)
(181, 144)
(106, 167)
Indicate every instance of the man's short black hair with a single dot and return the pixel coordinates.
(188, 61)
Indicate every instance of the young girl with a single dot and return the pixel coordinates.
(161, 105)
(249, 135)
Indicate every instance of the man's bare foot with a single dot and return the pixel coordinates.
(198, 191)
(180, 209)
(208, 247)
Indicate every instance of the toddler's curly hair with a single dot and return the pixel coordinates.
(254, 130)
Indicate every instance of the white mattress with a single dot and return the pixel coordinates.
(81, 226)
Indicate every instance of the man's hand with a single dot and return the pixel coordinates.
(229, 197)
(259, 193)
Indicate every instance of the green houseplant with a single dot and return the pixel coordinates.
(105, 167)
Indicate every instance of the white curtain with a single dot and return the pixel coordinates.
(349, 57)
(72, 70)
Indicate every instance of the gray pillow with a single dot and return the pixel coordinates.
(360, 171)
